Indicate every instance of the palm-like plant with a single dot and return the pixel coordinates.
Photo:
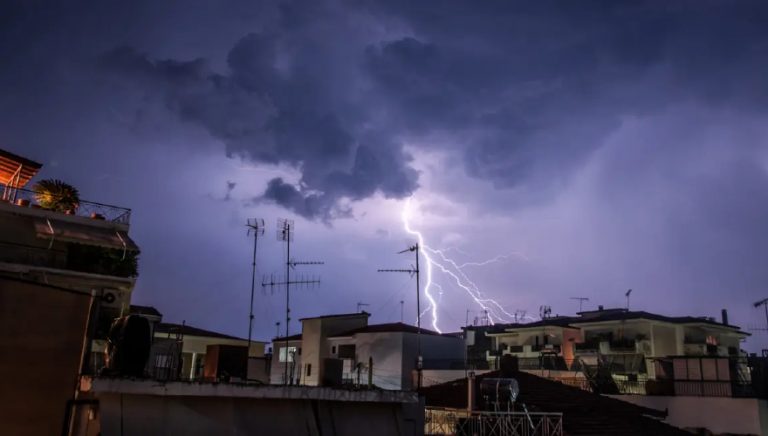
(57, 195)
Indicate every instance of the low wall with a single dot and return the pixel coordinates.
(717, 414)
(137, 408)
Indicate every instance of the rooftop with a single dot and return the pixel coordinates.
(145, 310)
(604, 315)
(584, 413)
(187, 330)
(341, 315)
(395, 327)
(287, 338)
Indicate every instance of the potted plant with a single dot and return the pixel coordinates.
(56, 195)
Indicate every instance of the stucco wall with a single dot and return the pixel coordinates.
(41, 344)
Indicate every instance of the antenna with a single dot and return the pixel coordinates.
(285, 234)
(581, 301)
(277, 329)
(255, 227)
(361, 305)
(545, 312)
(764, 303)
(414, 271)
(402, 303)
(627, 295)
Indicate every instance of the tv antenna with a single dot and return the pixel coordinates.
(545, 312)
(360, 306)
(627, 295)
(414, 270)
(285, 234)
(581, 301)
(764, 303)
(402, 304)
(255, 227)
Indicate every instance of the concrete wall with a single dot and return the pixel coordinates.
(717, 414)
(40, 349)
(294, 411)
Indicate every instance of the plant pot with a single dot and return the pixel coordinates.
(23, 202)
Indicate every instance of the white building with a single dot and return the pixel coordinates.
(345, 349)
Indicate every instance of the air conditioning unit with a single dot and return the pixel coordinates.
(114, 298)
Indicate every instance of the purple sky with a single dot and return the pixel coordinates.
(593, 146)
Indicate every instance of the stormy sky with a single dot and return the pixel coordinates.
(585, 147)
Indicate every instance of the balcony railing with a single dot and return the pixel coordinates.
(89, 209)
(456, 422)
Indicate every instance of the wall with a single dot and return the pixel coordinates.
(432, 347)
(139, 415)
(717, 414)
(277, 371)
(315, 347)
(42, 339)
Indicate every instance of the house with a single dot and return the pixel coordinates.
(552, 408)
(345, 349)
(179, 350)
(64, 275)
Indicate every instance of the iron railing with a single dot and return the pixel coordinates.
(439, 421)
(26, 198)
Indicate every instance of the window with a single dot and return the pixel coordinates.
(309, 369)
(347, 351)
(291, 354)
(333, 349)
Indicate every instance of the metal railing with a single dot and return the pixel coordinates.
(439, 421)
(26, 198)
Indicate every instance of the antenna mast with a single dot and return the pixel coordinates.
(255, 226)
(627, 295)
(581, 301)
(764, 303)
(414, 271)
(285, 234)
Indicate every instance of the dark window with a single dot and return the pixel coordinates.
(309, 369)
(333, 350)
(346, 351)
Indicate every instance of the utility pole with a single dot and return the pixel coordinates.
(414, 271)
(285, 234)
(255, 226)
(581, 301)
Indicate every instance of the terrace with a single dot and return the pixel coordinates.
(25, 198)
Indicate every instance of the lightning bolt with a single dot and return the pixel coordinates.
(436, 258)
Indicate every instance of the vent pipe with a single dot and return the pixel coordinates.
(724, 314)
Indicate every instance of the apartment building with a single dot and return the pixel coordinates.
(345, 349)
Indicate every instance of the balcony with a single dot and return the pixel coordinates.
(24, 198)
(73, 257)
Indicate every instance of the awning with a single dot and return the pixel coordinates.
(55, 230)
(16, 170)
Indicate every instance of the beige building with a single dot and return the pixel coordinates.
(345, 349)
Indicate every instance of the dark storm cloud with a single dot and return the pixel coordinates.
(274, 116)
(524, 92)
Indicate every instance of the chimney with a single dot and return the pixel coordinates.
(600, 307)
(471, 391)
(725, 316)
